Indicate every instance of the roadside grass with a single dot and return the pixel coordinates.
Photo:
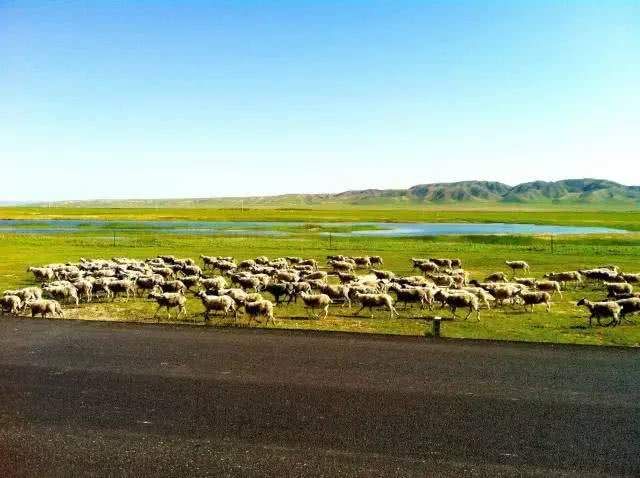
(480, 254)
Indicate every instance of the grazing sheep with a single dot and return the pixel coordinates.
(169, 300)
(316, 301)
(84, 288)
(217, 282)
(44, 307)
(26, 293)
(42, 274)
(631, 278)
(341, 266)
(427, 267)
(517, 266)
(61, 293)
(442, 262)
(551, 286)
(600, 310)
(533, 298)
(382, 274)
(459, 300)
(316, 275)
(346, 278)
(173, 286)
(496, 277)
(376, 260)
(214, 303)
(362, 262)
(375, 300)
(148, 283)
(563, 277)
(526, 281)
(412, 295)
(11, 304)
(279, 289)
(504, 292)
(259, 308)
(629, 306)
(337, 292)
(124, 286)
(614, 289)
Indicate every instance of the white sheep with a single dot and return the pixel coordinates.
(44, 307)
(316, 301)
(214, 303)
(375, 300)
(601, 310)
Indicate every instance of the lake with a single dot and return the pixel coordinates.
(373, 229)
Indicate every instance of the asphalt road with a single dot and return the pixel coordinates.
(108, 399)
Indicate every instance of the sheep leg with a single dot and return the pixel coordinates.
(358, 311)
(469, 314)
(326, 311)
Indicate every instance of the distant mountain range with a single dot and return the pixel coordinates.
(565, 192)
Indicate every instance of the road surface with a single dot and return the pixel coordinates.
(95, 399)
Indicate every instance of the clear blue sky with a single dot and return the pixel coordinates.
(160, 99)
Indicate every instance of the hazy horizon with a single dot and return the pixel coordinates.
(210, 99)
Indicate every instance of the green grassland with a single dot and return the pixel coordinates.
(622, 219)
(481, 255)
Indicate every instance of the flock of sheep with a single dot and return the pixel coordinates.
(227, 287)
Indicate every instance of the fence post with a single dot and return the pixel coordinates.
(436, 326)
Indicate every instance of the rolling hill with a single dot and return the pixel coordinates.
(570, 192)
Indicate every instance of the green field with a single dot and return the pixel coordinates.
(625, 219)
(481, 255)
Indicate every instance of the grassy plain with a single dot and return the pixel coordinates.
(481, 255)
(629, 220)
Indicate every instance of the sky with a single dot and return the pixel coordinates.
(109, 99)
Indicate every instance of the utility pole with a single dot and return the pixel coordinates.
(552, 244)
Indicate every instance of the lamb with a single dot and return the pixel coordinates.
(382, 274)
(215, 303)
(61, 293)
(42, 274)
(44, 307)
(601, 310)
(496, 277)
(375, 300)
(316, 301)
(259, 308)
(169, 300)
(551, 286)
(533, 298)
(11, 303)
(517, 266)
(614, 289)
(459, 300)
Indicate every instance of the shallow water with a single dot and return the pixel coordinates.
(232, 228)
